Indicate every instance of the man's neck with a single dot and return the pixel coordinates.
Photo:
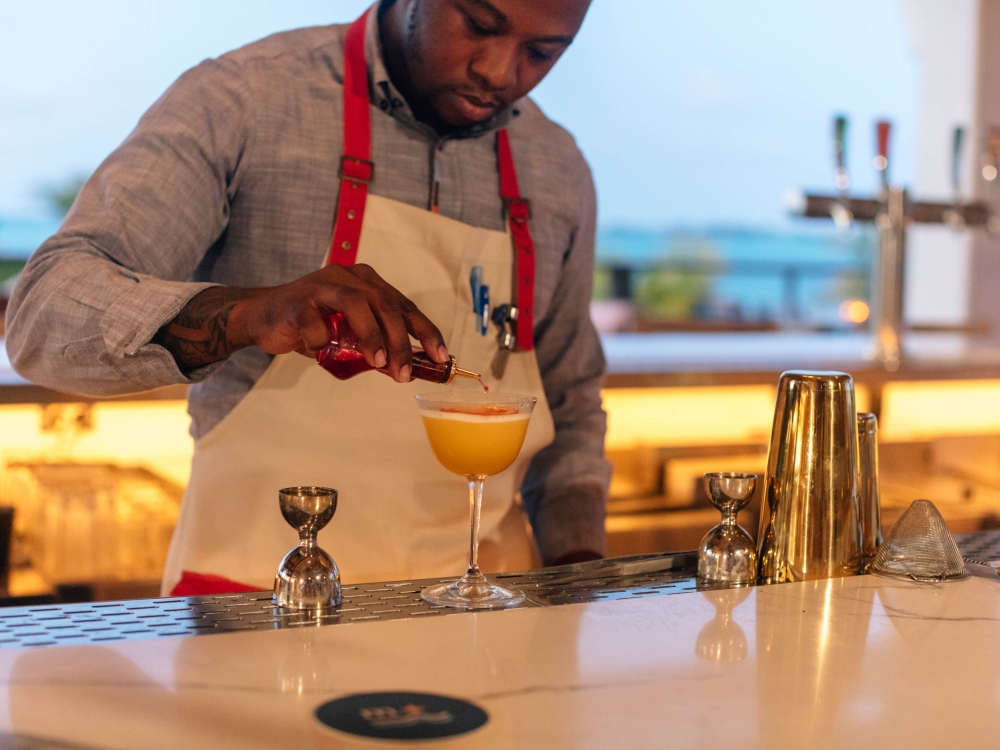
(392, 26)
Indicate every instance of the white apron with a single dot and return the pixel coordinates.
(400, 513)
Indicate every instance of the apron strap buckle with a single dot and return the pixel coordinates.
(355, 169)
(518, 209)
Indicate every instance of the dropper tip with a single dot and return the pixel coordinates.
(463, 373)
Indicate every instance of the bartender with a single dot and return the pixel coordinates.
(374, 169)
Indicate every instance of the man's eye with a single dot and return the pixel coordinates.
(478, 29)
(540, 56)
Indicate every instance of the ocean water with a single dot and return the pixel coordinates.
(19, 237)
(748, 274)
(798, 276)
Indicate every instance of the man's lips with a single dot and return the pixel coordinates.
(476, 109)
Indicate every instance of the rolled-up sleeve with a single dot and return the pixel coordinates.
(92, 297)
(565, 490)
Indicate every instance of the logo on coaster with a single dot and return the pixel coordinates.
(402, 716)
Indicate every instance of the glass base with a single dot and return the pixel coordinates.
(471, 592)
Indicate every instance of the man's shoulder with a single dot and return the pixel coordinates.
(532, 123)
(553, 148)
(310, 46)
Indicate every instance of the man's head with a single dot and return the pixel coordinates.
(459, 62)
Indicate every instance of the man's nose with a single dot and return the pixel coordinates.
(495, 67)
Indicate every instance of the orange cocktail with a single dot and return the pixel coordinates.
(476, 440)
(475, 435)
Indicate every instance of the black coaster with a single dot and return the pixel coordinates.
(402, 716)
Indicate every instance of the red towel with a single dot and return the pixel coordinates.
(205, 584)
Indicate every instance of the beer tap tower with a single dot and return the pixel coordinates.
(892, 210)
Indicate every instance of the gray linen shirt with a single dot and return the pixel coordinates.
(231, 178)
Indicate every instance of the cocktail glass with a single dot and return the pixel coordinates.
(475, 435)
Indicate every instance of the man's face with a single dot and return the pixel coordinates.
(468, 59)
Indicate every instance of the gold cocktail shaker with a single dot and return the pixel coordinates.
(809, 521)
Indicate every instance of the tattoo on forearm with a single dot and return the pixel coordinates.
(198, 336)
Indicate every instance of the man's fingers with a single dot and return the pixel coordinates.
(381, 317)
(424, 331)
(313, 330)
(390, 318)
(355, 308)
(382, 300)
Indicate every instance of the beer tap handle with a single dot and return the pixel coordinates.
(953, 216)
(958, 139)
(883, 129)
(991, 158)
(840, 210)
(842, 179)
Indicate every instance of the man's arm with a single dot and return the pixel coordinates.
(103, 308)
(290, 318)
(565, 490)
(91, 298)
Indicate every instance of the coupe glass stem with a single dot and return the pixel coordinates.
(475, 507)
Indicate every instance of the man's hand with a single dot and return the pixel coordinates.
(289, 318)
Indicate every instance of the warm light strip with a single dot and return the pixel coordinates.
(688, 416)
(918, 411)
(691, 416)
(153, 434)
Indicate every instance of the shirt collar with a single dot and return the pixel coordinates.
(387, 98)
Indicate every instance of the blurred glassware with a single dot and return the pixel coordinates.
(868, 496)
(919, 548)
(86, 522)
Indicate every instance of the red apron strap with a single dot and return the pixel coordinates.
(518, 214)
(356, 168)
(356, 171)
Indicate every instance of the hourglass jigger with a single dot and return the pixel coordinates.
(308, 577)
(728, 553)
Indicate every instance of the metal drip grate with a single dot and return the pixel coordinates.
(625, 578)
(101, 622)
(982, 546)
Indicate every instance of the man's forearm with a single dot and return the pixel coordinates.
(569, 524)
(202, 334)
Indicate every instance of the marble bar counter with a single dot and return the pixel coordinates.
(839, 663)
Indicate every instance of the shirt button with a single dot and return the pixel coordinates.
(383, 105)
(351, 214)
(397, 103)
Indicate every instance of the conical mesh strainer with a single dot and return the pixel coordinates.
(919, 547)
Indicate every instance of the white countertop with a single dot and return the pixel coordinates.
(844, 663)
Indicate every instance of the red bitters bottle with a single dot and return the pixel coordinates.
(343, 359)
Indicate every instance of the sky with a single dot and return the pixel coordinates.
(690, 113)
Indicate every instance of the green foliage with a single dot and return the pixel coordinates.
(60, 197)
(863, 246)
(10, 268)
(675, 287)
(602, 283)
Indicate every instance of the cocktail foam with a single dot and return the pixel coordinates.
(463, 416)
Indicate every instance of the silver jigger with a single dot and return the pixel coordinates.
(308, 577)
(728, 554)
(810, 526)
(722, 638)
